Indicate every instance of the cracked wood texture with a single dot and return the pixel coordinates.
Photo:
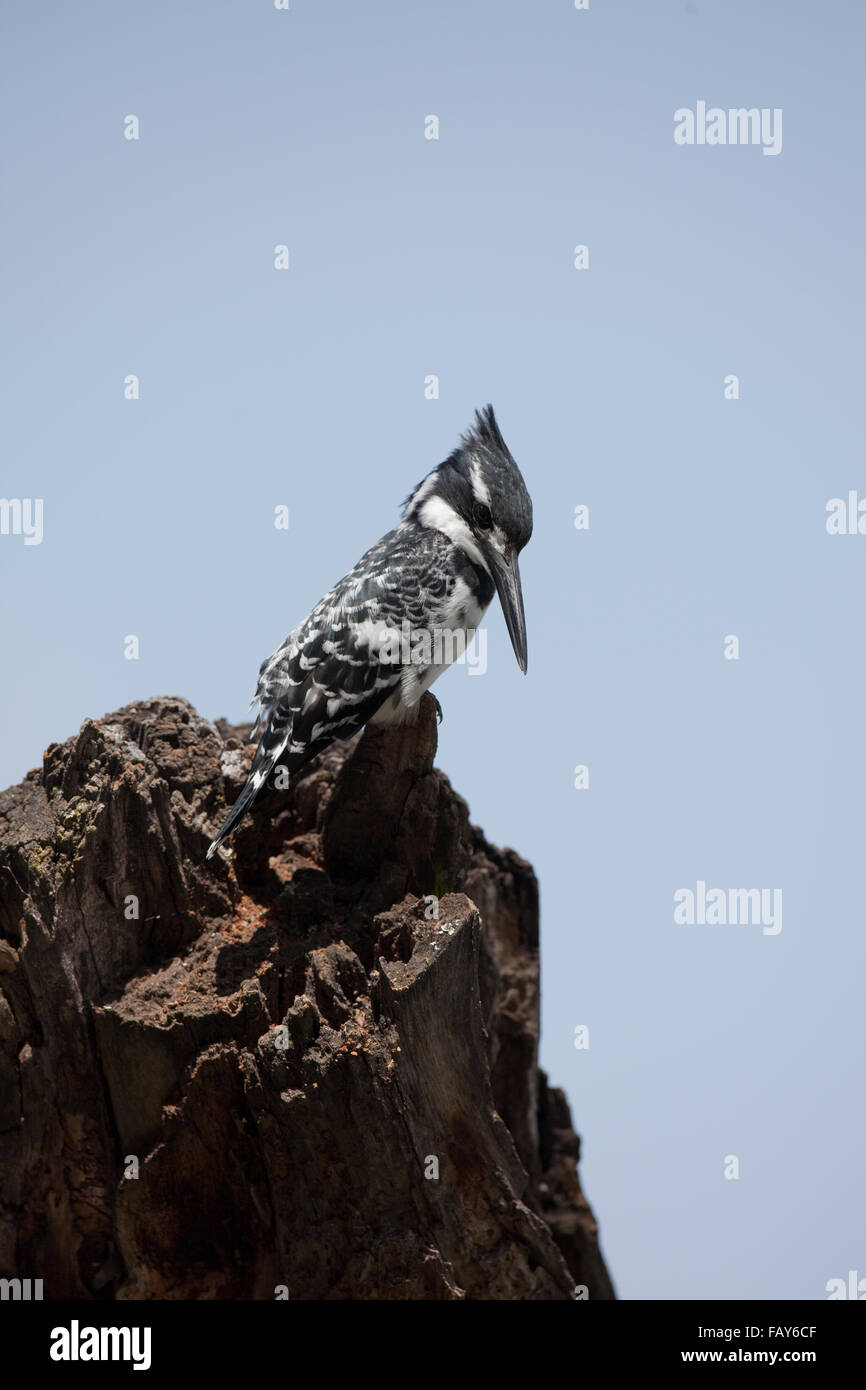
(307, 1068)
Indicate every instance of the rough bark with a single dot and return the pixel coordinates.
(221, 1079)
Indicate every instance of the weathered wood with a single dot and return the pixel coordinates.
(310, 1065)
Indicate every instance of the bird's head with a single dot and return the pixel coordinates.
(478, 498)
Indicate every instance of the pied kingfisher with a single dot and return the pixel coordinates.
(348, 662)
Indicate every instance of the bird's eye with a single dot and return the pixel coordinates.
(483, 519)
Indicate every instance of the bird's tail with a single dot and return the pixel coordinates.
(241, 806)
(263, 763)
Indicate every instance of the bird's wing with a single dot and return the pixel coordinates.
(325, 686)
(327, 679)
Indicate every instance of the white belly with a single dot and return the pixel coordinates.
(446, 644)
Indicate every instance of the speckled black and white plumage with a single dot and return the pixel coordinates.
(438, 569)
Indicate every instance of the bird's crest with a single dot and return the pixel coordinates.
(483, 438)
(483, 434)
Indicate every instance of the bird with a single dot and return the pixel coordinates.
(360, 656)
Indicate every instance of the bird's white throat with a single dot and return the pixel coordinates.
(441, 516)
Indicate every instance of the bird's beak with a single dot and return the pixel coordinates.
(506, 577)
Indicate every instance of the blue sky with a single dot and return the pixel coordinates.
(305, 387)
